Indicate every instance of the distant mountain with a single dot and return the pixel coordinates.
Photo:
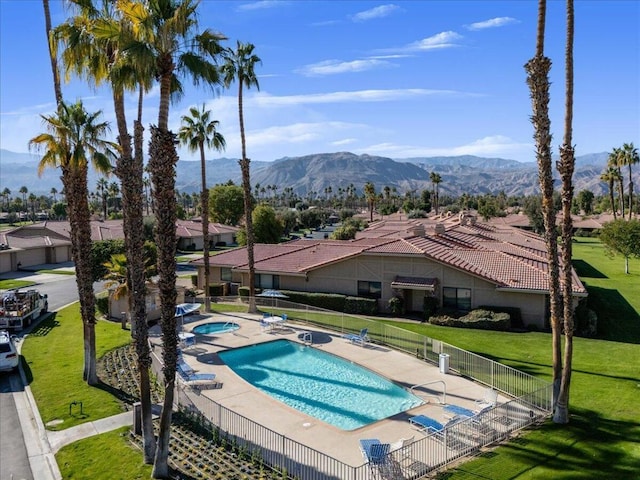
(314, 173)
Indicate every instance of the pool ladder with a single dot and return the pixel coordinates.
(229, 324)
(442, 401)
(307, 338)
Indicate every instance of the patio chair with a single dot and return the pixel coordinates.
(489, 400)
(198, 381)
(429, 426)
(358, 338)
(400, 449)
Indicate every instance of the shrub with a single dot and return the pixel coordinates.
(217, 290)
(359, 305)
(243, 291)
(481, 319)
(586, 320)
(102, 304)
(396, 306)
(194, 280)
(429, 306)
(514, 314)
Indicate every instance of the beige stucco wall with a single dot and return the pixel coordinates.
(343, 278)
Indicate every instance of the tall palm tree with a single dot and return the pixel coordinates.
(24, 190)
(566, 167)
(538, 80)
(54, 193)
(94, 47)
(52, 56)
(610, 175)
(197, 131)
(74, 138)
(166, 37)
(103, 192)
(370, 195)
(616, 161)
(239, 66)
(436, 180)
(630, 157)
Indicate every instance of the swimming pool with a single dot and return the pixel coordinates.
(215, 327)
(319, 384)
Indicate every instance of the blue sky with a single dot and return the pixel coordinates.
(397, 79)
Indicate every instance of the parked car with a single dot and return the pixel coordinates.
(9, 357)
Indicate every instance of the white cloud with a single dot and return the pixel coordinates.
(492, 23)
(494, 146)
(439, 40)
(333, 67)
(344, 141)
(261, 5)
(265, 100)
(376, 12)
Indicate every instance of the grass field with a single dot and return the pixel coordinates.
(53, 359)
(6, 284)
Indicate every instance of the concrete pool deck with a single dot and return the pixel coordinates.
(238, 395)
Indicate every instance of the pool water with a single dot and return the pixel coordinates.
(319, 384)
(215, 327)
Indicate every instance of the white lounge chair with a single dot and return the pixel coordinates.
(358, 338)
(489, 400)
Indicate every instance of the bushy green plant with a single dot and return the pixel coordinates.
(102, 304)
(396, 306)
(479, 318)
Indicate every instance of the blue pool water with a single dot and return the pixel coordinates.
(319, 384)
(215, 327)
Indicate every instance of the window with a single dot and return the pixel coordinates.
(369, 289)
(225, 274)
(459, 298)
(265, 280)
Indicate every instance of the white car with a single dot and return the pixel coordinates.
(9, 357)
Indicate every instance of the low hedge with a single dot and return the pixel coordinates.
(480, 319)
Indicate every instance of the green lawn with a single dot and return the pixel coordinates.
(53, 360)
(109, 456)
(11, 283)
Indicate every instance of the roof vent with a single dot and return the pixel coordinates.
(439, 229)
(418, 231)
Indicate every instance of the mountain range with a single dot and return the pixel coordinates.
(314, 173)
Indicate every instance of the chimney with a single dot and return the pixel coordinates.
(439, 229)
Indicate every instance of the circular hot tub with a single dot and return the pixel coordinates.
(213, 328)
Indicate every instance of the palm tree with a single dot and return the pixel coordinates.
(54, 193)
(94, 41)
(610, 175)
(630, 157)
(616, 161)
(6, 193)
(436, 180)
(538, 80)
(102, 187)
(52, 55)
(166, 38)
(114, 191)
(239, 65)
(370, 195)
(73, 138)
(24, 190)
(566, 167)
(197, 131)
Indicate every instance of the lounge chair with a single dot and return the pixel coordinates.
(453, 410)
(358, 338)
(429, 426)
(376, 454)
(197, 380)
(489, 400)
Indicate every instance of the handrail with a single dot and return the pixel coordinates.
(444, 390)
(307, 338)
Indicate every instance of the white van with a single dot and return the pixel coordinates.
(9, 357)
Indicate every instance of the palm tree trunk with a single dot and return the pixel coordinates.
(246, 185)
(52, 57)
(75, 184)
(538, 80)
(129, 170)
(204, 207)
(566, 168)
(613, 204)
(630, 191)
(162, 160)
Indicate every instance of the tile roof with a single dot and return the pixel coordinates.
(505, 256)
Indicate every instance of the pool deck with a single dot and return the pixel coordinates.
(239, 396)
